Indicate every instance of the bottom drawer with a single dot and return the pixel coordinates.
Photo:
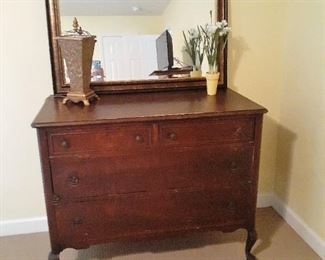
(144, 214)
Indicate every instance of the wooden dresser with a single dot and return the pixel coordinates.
(147, 165)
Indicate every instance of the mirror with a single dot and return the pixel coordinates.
(139, 42)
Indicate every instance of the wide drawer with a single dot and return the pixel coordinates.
(162, 170)
(202, 131)
(100, 139)
(130, 215)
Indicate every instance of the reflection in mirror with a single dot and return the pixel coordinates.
(132, 42)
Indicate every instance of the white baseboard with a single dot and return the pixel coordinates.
(302, 229)
(34, 225)
(265, 200)
(23, 226)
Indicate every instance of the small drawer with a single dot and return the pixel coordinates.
(82, 177)
(99, 139)
(205, 131)
(208, 167)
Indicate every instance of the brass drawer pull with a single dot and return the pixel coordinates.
(233, 166)
(76, 221)
(64, 144)
(172, 136)
(231, 206)
(56, 199)
(74, 180)
(139, 138)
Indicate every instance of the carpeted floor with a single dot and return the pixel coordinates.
(277, 241)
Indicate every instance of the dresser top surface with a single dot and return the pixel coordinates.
(145, 107)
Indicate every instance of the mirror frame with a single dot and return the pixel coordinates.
(108, 87)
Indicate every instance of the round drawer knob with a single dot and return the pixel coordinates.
(64, 144)
(74, 180)
(139, 138)
(56, 199)
(76, 221)
(231, 206)
(233, 166)
(172, 136)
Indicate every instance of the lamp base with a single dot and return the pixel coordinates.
(80, 97)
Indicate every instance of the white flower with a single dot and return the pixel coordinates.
(224, 31)
(205, 28)
(193, 33)
(219, 25)
(211, 29)
(224, 23)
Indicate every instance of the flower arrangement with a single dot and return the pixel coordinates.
(194, 47)
(210, 41)
(215, 39)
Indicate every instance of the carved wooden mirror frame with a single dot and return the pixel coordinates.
(60, 87)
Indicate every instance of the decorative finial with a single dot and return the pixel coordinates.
(75, 25)
(76, 29)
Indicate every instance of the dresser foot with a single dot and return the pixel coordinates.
(251, 239)
(53, 256)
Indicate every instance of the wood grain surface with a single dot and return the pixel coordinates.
(145, 107)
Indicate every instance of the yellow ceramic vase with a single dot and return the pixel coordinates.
(212, 83)
(196, 74)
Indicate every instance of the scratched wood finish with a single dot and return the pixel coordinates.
(116, 138)
(77, 177)
(145, 107)
(149, 165)
(123, 216)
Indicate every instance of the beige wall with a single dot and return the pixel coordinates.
(276, 57)
(25, 83)
(300, 177)
(270, 62)
(256, 68)
(179, 19)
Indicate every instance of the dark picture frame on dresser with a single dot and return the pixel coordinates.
(144, 165)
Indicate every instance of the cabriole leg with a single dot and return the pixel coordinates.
(251, 239)
(54, 256)
(55, 252)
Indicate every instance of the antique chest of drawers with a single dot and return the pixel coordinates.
(149, 165)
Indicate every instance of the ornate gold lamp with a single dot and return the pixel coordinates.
(77, 49)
